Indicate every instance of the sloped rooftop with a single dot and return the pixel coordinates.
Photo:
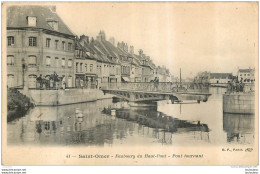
(17, 18)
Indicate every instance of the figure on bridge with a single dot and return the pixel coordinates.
(156, 83)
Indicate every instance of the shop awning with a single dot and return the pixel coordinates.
(125, 79)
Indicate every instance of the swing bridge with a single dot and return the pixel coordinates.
(147, 92)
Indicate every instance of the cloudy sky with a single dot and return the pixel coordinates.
(216, 37)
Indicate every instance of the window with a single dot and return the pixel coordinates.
(10, 40)
(10, 60)
(48, 42)
(69, 63)
(248, 74)
(91, 68)
(32, 60)
(63, 62)
(77, 52)
(33, 41)
(69, 46)
(80, 53)
(47, 125)
(81, 64)
(63, 45)
(48, 61)
(240, 74)
(56, 62)
(10, 80)
(31, 21)
(56, 44)
(97, 69)
(86, 66)
(77, 67)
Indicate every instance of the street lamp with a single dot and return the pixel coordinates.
(23, 67)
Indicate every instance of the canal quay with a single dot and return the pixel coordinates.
(109, 123)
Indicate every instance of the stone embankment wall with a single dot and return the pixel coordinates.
(242, 103)
(63, 97)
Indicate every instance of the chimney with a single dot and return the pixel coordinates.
(84, 38)
(102, 35)
(92, 39)
(140, 52)
(126, 47)
(131, 49)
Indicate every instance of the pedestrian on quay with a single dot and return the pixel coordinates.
(237, 85)
(229, 86)
(64, 85)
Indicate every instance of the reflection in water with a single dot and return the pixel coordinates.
(154, 119)
(104, 123)
(239, 127)
(162, 125)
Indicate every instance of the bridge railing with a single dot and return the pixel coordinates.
(157, 86)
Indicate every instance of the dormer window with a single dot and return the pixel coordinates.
(53, 24)
(130, 59)
(31, 20)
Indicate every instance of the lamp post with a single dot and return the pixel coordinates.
(23, 68)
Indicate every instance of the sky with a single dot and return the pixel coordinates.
(193, 36)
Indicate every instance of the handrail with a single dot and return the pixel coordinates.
(156, 86)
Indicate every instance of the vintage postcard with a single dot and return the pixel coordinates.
(130, 83)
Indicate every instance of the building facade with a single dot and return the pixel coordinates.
(224, 78)
(246, 75)
(39, 46)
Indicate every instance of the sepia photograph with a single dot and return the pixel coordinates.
(130, 83)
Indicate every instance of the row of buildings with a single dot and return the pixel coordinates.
(40, 46)
(243, 76)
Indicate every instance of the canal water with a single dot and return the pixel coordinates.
(106, 123)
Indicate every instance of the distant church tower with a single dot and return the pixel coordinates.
(101, 36)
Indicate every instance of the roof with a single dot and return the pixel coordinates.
(245, 70)
(220, 75)
(17, 18)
